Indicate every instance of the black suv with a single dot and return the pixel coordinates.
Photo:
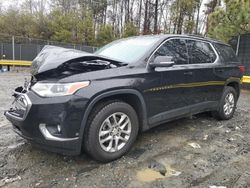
(99, 102)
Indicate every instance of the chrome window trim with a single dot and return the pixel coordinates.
(186, 38)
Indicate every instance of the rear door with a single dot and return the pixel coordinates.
(203, 61)
(229, 62)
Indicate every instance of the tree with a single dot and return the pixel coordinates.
(83, 21)
(231, 21)
(63, 26)
(210, 8)
(105, 35)
(18, 23)
(182, 15)
(65, 6)
(130, 30)
(41, 27)
(156, 17)
(198, 6)
(86, 30)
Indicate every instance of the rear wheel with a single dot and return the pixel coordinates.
(227, 104)
(111, 131)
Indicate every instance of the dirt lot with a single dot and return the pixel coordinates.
(191, 152)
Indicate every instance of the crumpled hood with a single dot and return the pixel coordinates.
(51, 57)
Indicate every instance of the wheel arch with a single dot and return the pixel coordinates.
(234, 83)
(131, 96)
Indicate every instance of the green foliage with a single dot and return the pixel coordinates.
(41, 27)
(182, 15)
(86, 30)
(101, 21)
(230, 21)
(72, 27)
(62, 26)
(15, 23)
(130, 30)
(189, 26)
(68, 26)
(105, 35)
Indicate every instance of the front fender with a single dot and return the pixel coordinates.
(101, 96)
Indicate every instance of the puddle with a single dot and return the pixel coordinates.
(149, 175)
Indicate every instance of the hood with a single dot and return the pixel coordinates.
(55, 61)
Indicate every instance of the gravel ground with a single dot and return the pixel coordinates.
(191, 152)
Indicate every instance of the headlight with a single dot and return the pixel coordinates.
(58, 89)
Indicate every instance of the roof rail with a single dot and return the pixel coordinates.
(196, 35)
(206, 38)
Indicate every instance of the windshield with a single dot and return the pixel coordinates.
(129, 50)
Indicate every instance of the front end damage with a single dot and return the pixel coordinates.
(53, 121)
(56, 63)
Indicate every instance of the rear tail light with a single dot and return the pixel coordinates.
(242, 68)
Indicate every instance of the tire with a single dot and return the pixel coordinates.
(102, 121)
(222, 113)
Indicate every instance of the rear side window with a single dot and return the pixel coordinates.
(200, 52)
(176, 48)
(226, 52)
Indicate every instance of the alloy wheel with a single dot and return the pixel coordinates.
(115, 132)
(229, 104)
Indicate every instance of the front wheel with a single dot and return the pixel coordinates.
(227, 104)
(111, 131)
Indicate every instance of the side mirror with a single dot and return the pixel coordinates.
(162, 61)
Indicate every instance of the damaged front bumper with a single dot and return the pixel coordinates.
(51, 123)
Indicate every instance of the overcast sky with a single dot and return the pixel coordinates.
(13, 3)
(17, 3)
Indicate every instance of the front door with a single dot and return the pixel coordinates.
(173, 91)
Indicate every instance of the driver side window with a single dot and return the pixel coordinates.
(175, 48)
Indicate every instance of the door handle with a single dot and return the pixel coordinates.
(188, 73)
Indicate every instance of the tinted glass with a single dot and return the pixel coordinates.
(175, 48)
(200, 52)
(128, 50)
(226, 52)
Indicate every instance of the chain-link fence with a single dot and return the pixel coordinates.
(241, 45)
(21, 48)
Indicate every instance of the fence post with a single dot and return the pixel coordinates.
(1, 51)
(238, 45)
(13, 47)
(20, 52)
